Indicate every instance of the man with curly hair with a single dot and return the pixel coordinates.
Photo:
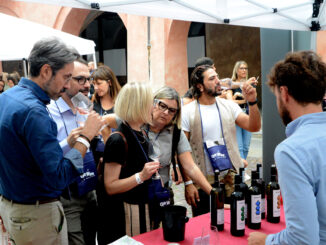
(299, 83)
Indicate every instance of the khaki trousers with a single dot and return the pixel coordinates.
(34, 224)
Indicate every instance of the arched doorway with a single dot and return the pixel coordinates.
(196, 45)
(110, 36)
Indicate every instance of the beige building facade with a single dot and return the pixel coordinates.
(168, 38)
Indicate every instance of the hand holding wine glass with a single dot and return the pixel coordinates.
(83, 106)
(154, 154)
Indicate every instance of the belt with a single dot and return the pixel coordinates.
(41, 201)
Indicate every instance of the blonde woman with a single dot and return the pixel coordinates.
(240, 75)
(127, 168)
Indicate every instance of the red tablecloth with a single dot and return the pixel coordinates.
(194, 229)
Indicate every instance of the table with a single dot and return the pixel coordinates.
(195, 225)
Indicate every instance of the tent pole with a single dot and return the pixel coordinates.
(25, 67)
(277, 11)
(94, 60)
(321, 11)
(263, 12)
(116, 3)
(313, 40)
(127, 2)
(292, 49)
(195, 8)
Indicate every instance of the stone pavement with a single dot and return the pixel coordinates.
(254, 156)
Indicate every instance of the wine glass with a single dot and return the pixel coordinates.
(154, 154)
(83, 106)
(226, 83)
(209, 236)
(242, 81)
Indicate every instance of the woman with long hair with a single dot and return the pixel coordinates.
(106, 87)
(240, 75)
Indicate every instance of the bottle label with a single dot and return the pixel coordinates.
(263, 205)
(255, 208)
(276, 203)
(246, 210)
(241, 215)
(220, 216)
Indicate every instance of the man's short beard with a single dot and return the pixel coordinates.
(212, 92)
(284, 113)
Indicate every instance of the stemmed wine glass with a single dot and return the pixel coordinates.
(83, 106)
(154, 154)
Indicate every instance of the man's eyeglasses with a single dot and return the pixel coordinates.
(82, 80)
(163, 107)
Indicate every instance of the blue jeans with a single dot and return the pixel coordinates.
(243, 138)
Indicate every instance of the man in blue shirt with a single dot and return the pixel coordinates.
(80, 207)
(299, 83)
(33, 171)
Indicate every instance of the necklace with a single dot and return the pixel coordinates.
(140, 136)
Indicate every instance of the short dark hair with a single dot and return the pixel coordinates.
(197, 77)
(53, 52)
(204, 61)
(303, 73)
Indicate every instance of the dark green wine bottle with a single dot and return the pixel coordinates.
(254, 201)
(244, 189)
(273, 198)
(217, 204)
(237, 224)
(262, 188)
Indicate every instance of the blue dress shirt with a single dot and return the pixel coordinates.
(32, 166)
(66, 121)
(301, 164)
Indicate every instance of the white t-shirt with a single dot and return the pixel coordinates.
(211, 124)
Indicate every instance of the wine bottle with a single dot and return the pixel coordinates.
(273, 198)
(237, 209)
(262, 188)
(254, 201)
(213, 207)
(244, 189)
(217, 204)
(216, 183)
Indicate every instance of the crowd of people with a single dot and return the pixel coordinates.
(8, 80)
(63, 182)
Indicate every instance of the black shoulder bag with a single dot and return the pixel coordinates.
(175, 142)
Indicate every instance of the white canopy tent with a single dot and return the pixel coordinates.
(277, 14)
(24, 34)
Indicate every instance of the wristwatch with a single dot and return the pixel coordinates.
(253, 103)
